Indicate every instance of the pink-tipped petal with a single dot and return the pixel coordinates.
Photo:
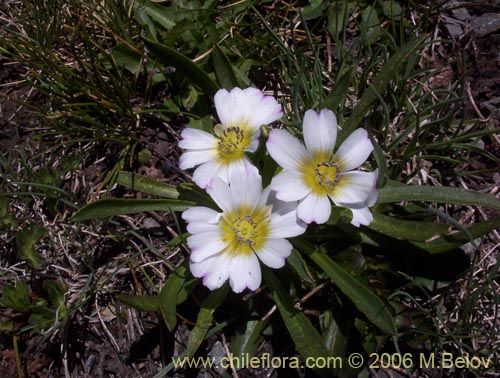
(286, 150)
(314, 208)
(320, 131)
(246, 107)
(354, 150)
(194, 139)
(354, 187)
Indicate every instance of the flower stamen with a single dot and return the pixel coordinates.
(232, 143)
(245, 230)
(327, 174)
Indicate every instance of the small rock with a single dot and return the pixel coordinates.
(150, 223)
(459, 13)
(217, 352)
(486, 24)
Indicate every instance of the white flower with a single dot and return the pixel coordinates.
(242, 113)
(314, 174)
(253, 225)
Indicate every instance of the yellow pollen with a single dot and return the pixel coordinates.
(232, 143)
(321, 174)
(245, 230)
(326, 174)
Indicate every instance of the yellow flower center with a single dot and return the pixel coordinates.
(326, 174)
(321, 174)
(245, 230)
(232, 142)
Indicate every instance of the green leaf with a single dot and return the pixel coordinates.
(370, 24)
(56, 292)
(300, 267)
(409, 230)
(437, 194)
(453, 241)
(140, 302)
(193, 193)
(205, 318)
(42, 318)
(364, 300)
(379, 85)
(126, 57)
(159, 14)
(146, 185)
(26, 241)
(170, 57)
(314, 9)
(115, 206)
(204, 123)
(223, 69)
(443, 244)
(305, 337)
(338, 15)
(392, 10)
(248, 340)
(16, 297)
(175, 291)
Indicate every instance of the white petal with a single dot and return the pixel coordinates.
(361, 216)
(289, 186)
(354, 187)
(246, 186)
(205, 244)
(221, 194)
(354, 150)
(206, 172)
(201, 269)
(190, 159)
(245, 272)
(265, 198)
(238, 167)
(314, 208)
(320, 131)
(275, 252)
(254, 144)
(200, 227)
(218, 271)
(201, 219)
(200, 214)
(285, 226)
(286, 150)
(194, 139)
(248, 106)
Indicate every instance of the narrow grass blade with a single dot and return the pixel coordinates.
(443, 244)
(379, 85)
(205, 318)
(437, 194)
(450, 242)
(140, 302)
(146, 185)
(337, 97)
(169, 56)
(114, 206)
(364, 300)
(305, 337)
(223, 69)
